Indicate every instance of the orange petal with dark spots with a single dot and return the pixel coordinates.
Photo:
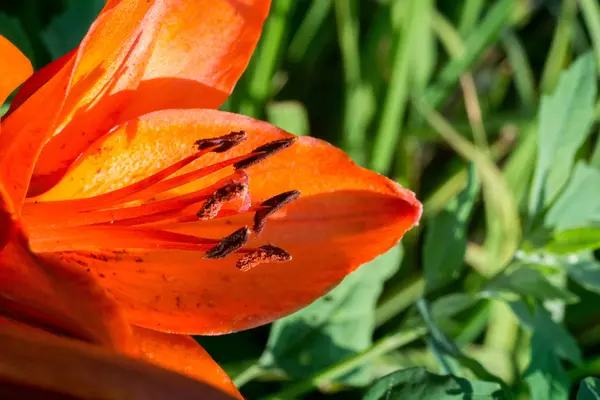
(42, 366)
(183, 354)
(63, 299)
(344, 217)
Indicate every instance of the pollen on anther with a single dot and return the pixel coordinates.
(271, 206)
(265, 151)
(213, 205)
(229, 244)
(264, 254)
(223, 143)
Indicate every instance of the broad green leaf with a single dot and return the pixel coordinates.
(445, 350)
(526, 280)
(66, 30)
(564, 123)
(586, 273)
(446, 237)
(334, 327)
(545, 376)
(579, 202)
(589, 389)
(418, 384)
(290, 116)
(542, 325)
(575, 241)
(12, 29)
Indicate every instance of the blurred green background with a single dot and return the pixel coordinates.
(488, 111)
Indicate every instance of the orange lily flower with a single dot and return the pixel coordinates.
(130, 200)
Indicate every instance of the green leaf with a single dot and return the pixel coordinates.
(586, 273)
(334, 327)
(579, 202)
(12, 29)
(418, 384)
(446, 351)
(66, 30)
(526, 280)
(446, 236)
(575, 241)
(589, 389)
(290, 116)
(563, 344)
(545, 376)
(564, 123)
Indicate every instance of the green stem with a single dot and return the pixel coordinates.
(522, 71)
(308, 29)
(348, 26)
(503, 328)
(266, 58)
(248, 375)
(452, 186)
(489, 31)
(399, 301)
(561, 43)
(591, 14)
(471, 10)
(383, 346)
(396, 98)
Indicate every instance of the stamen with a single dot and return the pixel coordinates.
(215, 202)
(116, 196)
(229, 244)
(154, 183)
(139, 214)
(271, 206)
(262, 152)
(263, 254)
(98, 237)
(222, 143)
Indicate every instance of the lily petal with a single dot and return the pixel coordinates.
(61, 299)
(40, 365)
(201, 51)
(142, 56)
(15, 68)
(345, 216)
(183, 354)
(40, 78)
(108, 67)
(25, 130)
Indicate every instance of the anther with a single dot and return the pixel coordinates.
(263, 254)
(223, 143)
(213, 205)
(264, 151)
(271, 206)
(229, 244)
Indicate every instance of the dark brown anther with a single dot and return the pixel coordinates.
(223, 143)
(264, 151)
(229, 244)
(273, 205)
(213, 205)
(264, 254)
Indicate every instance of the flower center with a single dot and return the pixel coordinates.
(132, 218)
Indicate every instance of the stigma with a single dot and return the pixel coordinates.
(146, 214)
